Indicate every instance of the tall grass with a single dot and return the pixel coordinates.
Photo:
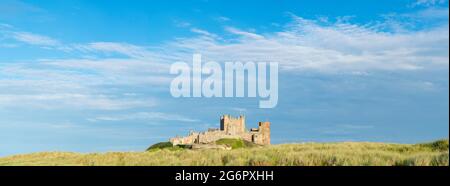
(308, 154)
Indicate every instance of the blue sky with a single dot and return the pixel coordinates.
(91, 76)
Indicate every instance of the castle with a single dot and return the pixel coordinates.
(230, 127)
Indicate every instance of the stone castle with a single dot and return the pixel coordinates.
(230, 127)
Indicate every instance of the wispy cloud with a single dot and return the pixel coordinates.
(244, 34)
(130, 50)
(204, 32)
(75, 85)
(13, 36)
(222, 18)
(428, 2)
(302, 45)
(308, 45)
(152, 116)
(34, 39)
(70, 101)
(4, 25)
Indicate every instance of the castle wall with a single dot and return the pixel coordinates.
(208, 137)
(190, 139)
(247, 136)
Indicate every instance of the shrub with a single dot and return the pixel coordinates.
(439, 145)
(160, 145)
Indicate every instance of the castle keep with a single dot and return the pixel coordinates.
(230, 127)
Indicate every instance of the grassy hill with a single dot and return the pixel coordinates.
(233, 143)
(309, 154)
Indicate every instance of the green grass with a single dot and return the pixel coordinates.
(235, 143)
(160, 145)
(307, 154)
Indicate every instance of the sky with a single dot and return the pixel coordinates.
(93, 76)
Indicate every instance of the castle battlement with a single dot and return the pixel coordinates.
(230, 127)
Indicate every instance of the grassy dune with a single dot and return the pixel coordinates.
(308, 154)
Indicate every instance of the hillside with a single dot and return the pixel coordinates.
(307, 154)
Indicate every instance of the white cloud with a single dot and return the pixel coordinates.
(34, 39)
(432, 13)
(428, 2)
(129, 50)
(72, 101)
(244, 34)
(4, 25)
(158, 116)
(204, 32)
(65, 84)
(121, 48)
(223, 19)
(308, 45)
(302, 45)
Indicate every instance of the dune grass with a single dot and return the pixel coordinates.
(307, 154)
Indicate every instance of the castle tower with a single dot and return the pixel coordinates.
(264, 130)
(231, 125)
